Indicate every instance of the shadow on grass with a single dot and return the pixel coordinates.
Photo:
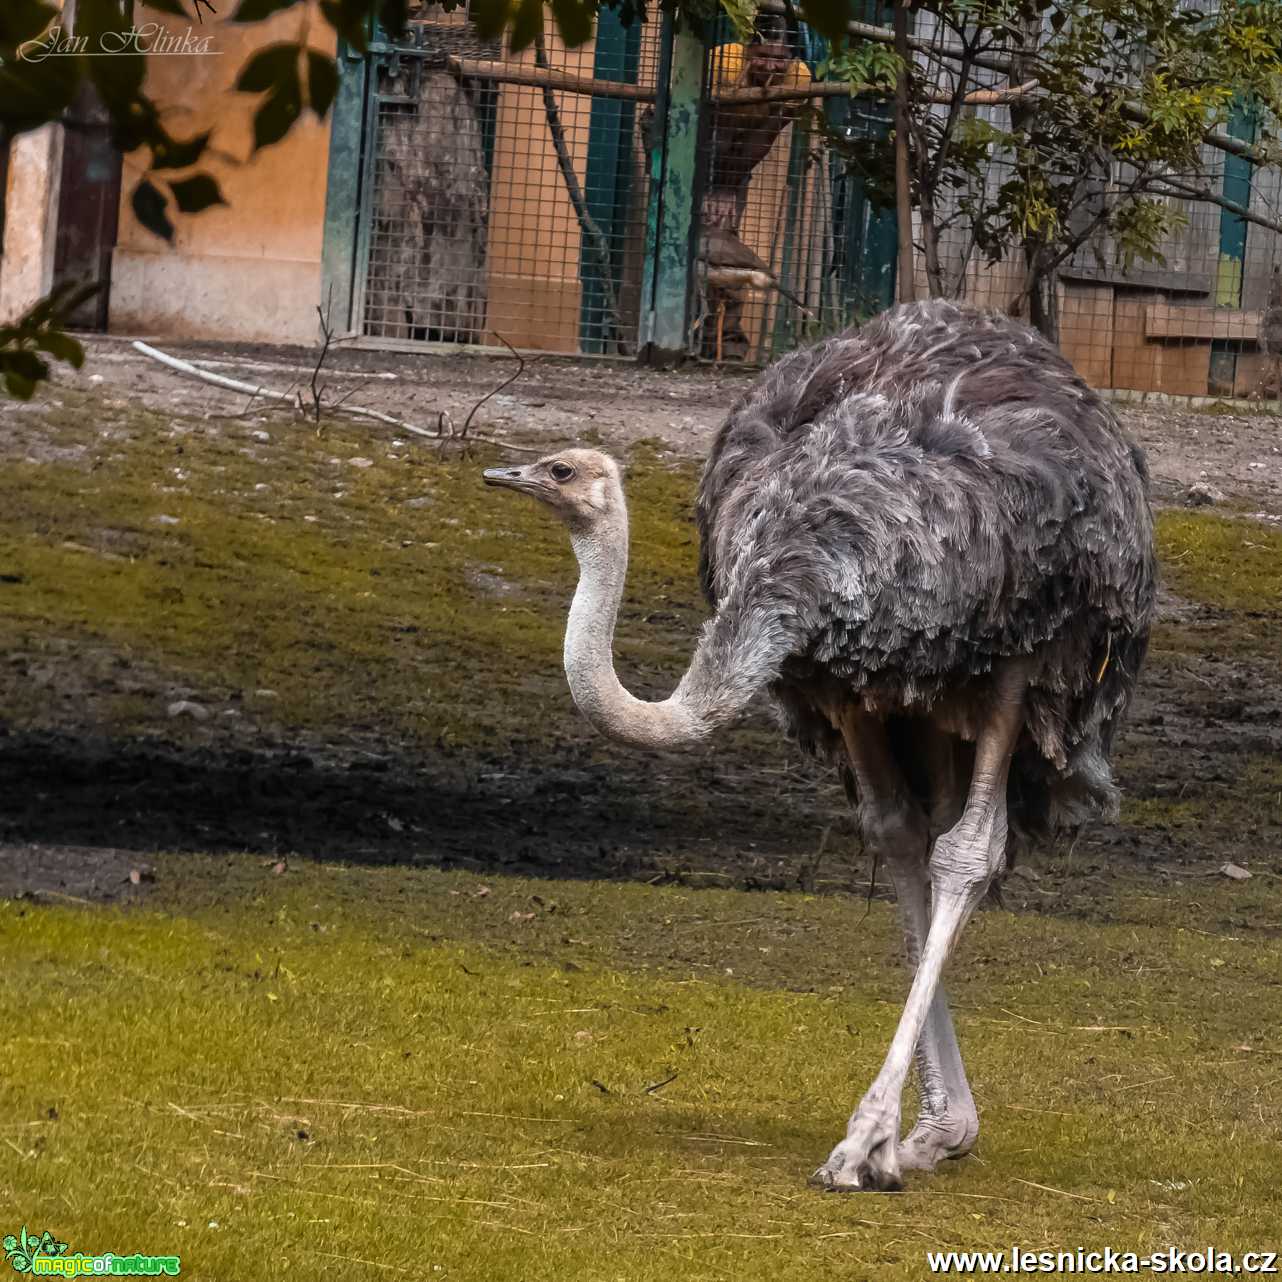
(570, 816)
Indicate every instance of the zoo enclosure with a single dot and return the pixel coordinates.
(638, 196)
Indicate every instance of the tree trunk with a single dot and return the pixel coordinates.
(1041, 288)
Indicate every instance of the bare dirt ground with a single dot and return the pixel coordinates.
(83, 806)
(556, 401)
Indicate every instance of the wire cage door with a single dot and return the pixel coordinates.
(505, 196)
(790, 246)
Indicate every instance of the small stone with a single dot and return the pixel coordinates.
(261, 436)
(185, 708)
(265, 694)
(1202, 495)
(261, 486)
(361, 462)
(1235, 872)
(162, 519)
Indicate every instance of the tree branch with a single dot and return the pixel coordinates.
(1184, 191)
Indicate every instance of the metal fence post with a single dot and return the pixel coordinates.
(1232, 258)
(343, 193)
(672, 222)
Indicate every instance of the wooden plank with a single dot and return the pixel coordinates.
(1173, 321)
(1086, 331)
(1176, 368)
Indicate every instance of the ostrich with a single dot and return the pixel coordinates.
(930, 543)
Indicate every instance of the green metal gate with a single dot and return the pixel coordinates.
(563, 200)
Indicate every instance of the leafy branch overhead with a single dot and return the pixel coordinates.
(25, 343)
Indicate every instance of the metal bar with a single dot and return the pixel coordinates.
(673, 222)
(343, 193)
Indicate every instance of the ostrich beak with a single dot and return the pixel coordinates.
(510, 478)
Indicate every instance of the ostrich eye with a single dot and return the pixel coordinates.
(561, 471)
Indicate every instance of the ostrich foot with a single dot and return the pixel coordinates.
(868, 1158)
(937, 1139)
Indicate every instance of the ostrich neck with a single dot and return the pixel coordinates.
(602, 552)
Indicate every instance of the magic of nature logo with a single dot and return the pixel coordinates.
(42, 1255)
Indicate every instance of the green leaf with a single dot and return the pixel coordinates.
(118, 77)
(23, 20)
(269, 68)
(171, 153)
(62, 347)
(149, 208)
(527, 25)
(34, 93)
(393, 15)
(350, 18)
(257, 10)
(490, 17)
(574, 20)
(828, 17)
(22, 371)
(322, 82)
(192, 195)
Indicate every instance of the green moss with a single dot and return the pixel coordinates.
(1230, 564)
(339, 1066)
(443, 595)
(1244, 807)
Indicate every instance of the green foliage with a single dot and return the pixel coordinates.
(22, 367)
(867, 65)
(1104, 149)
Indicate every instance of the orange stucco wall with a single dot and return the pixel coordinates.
(250, 270)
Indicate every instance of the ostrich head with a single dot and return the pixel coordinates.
(582, 487)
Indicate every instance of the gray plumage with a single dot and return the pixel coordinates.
(899, 506)
(930, 541)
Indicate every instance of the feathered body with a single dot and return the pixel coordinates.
(901, 505)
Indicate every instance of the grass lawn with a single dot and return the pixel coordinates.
(378, 1068)
(409, 1072)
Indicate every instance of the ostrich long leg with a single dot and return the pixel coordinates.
(895, 829)
(962, 863)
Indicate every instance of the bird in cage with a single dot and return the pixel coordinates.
(727, 267)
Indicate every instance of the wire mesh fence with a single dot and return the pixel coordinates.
(513, 196)
(1199, 313)
(792, 243)
(508, 194)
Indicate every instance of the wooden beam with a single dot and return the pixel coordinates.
(508, 73)
(842, 89)
(1172, 321)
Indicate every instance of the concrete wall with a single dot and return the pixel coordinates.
(30, 225)
(250, 271)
